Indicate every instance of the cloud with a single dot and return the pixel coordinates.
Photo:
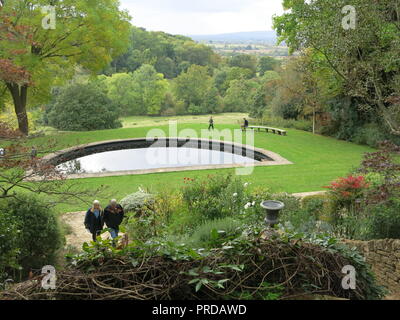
(194, 6)
(190, 17)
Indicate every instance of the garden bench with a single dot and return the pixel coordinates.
(267, 129)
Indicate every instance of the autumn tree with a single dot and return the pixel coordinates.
(35, 54)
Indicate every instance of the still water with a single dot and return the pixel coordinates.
(149, 158)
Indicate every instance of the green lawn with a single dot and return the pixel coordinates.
(144, 121)
(317, 161)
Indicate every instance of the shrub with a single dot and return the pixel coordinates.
(142, 227)
(304, 125)
(370, 135)
(135, 202)
(83, 107)
(345, 191)
(214, 232)
(383, 221)
(216, 197)
(39, 235)
(317, 205)
(9, 249)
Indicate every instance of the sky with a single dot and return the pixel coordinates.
(199, 17)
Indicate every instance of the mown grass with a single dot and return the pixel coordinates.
(317, 161)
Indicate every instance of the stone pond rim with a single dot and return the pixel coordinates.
(264, 157)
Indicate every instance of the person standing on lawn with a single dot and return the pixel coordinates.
(211, 122)
(94, 220)
(245, 124)
(113, 216)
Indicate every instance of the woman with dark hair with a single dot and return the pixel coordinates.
(113, 216)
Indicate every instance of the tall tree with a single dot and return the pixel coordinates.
(37, 48)
(150, 88)
(360, 43)
(191, 86)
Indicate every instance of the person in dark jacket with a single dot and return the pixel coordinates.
(211, 122)
(113, 216)
(94, 220)
(245, 124)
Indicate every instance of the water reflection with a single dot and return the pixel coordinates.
(149, 158)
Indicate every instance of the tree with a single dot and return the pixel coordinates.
(149, 90)
(245, 61)
(302, 90)
(264, 94)
(267, 64)
(121, 90)
(240, 95)
(223, 77)
(190, 86)
(365, 60)
(83, 107)
(34, 57)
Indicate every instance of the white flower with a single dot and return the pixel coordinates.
(246, 184)
(254, 203)
(248, 205)
(235, 194)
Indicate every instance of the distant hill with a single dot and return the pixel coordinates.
(251, 37)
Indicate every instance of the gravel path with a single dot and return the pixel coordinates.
(78, 234)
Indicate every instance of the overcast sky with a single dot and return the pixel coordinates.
(191, 17)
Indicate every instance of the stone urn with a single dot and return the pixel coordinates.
(272, 209)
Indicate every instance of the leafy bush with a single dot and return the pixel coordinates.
(383, 221)
(214, 232)
(304, 125)
(215, 197)
(317, 205)
(39, 235)
(369, 134)
(135, 202)
(83, 107)
(9, 246)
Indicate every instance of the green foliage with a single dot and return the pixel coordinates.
(318, 205)
(360, 60)
(83, 107)
(169, 54)
(121, 91)
(191, 85)
(383, 221)
(9, 245)
(267, 64)
(215, 197)
(240, 95)
(244, 61)
(135, 202)
(304, 125)
(38, 235)
(149, 89)
(87, 34)
(213, 233)
(369, 134)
